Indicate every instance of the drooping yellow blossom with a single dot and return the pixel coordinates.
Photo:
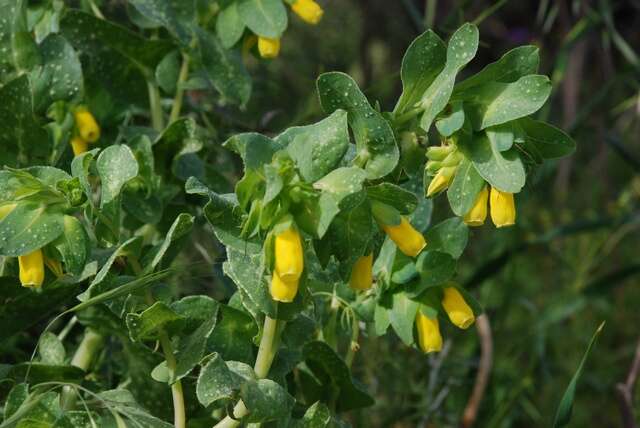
(457, 309)
(283, 291)
(268, 48)
(478, 212)
(6, 209)
(289, 258)
(79, 146)
(31, 269)
(308, 10)
(409, 240)
(54, 265)
(88, 128)
(503, 208)
(361, 275)
(429, 338)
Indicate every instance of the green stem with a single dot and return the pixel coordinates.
(407, 116)
(182, 77)
(353, 346)
(157, 121)
(266, 353)
(90, 344)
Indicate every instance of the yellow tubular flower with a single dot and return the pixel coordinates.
(283, 291)
(457, 309)
(503, 208)
(289, 256)
(31, 269)
(361, 275)
(429, 337)
(268, 48)
(409, 240)
(308, 10)
(6, 209)
(478, 212)
(79, 146)
(55, 266)
(87, 126)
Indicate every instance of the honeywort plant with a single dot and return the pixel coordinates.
(106, 166)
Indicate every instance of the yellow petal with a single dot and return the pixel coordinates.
(503, 208)
(283, 291)
(478, 212)
(457, 309)
(441, 181)
(429, 337)
(31, 269)
(79, 146)
(268, 48)
(289, 262)
(308, 10)
(6, 209)
(361, 275)
(409, 240)
(87, 126)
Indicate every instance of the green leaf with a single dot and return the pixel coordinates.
(19, 50)
(395, 196)
(29, 227)
(266, 18)
(461, 49)
(233, 335)
(317, 415)
(191, 348)
(496, 103)
(22, 139)
(95, 37)
(167, 72)
(180, 228)
(314, 215)
(376, 149)
(229, 26)
(74, 245)
(318, 148)
(216, 381)
(59, 76)
(402, 316)
(449, 236)
(266, 401)
(224, 69)
(422, 62)
(80, 168)
(465, 188)
(18, 395)
(503, 170)
(435, 268)
(51, 349)
(342, 182)
(177, 16)
(563, 414)
(146, 325)
(546, 140)
(337, 384)
(513, 65)
(123, 402)
(116, 165)
(447, 125)
(501, 136)
(41, 372)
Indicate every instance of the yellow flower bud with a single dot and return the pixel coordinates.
(409, 240)
(308, 10)
(478, 212)
(361, 275)
(441, 181)
(503, 208)
(6, 209)
(289, 256)
(457, 309)
(429, 337)
(55, 266)
(87, 126)
(31, 269)
(283, 291)
(79, 146)
(268, 48)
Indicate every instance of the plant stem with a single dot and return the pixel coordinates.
(90, 344)
(182, 77)
(407, 116)
(353, 346)
(157, 121)
(266, 353)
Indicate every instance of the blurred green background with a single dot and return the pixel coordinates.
(572, 260)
